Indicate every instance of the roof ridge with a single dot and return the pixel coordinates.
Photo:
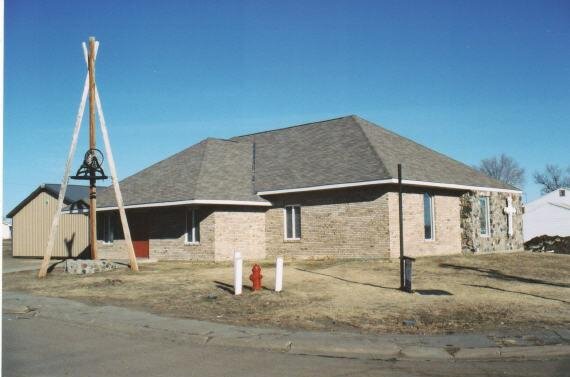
(220, 139)
(382, 165)
(438, 153)
(203, 157)
(294, 126)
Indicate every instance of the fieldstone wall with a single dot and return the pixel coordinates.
(447, 232)
(350, 223)
(87, 266)
(498, 240)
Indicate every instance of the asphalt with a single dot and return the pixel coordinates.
(495, 345)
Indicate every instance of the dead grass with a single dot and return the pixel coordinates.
(462, 293)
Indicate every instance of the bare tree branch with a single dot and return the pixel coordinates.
(552, 178)
(504, 169)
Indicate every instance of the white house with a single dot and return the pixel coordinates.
(549, 214)
(6, 230)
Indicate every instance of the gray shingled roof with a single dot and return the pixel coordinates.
(73, 194)
(213, 169)
(342, 150)
(350, 150)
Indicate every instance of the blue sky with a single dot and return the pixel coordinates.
(470, 79)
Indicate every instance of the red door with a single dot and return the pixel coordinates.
(139, 234)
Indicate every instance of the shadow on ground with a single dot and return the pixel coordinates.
(230, 288)
(518, 292)
(496, 274)
(346, 280)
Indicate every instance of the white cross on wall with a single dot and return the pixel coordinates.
(510, 211)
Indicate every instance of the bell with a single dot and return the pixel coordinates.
(91, 166)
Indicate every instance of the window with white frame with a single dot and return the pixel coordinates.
(192, 226)
(484, 216)
(428, 217)
(293, 222)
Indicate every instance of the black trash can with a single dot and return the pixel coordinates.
(408, 263)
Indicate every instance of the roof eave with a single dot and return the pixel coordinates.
(389, 181)
(191, 202)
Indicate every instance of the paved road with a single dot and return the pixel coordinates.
(38, 346)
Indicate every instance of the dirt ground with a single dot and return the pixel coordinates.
(453, 293)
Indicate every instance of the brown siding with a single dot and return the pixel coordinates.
(350, 223)
(32, 224)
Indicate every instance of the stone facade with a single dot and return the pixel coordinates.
(446, 230)
(87, 266)
(349, 223)
(498, 240)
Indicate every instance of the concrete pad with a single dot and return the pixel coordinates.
(535, 351)
(478, 353)
(425, 353)
(268, 343)
(343, 347)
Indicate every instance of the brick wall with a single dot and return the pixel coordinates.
(499, 240)
(116, 250)
(168, 235)
(350, 223)
(222, 231)
(447, 232)
(239, 229)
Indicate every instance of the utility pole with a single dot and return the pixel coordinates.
(92, 146)
(401, 218)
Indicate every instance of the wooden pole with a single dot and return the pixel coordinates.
(55, 223)
(118, 195)
(401, 221)
(92, 145)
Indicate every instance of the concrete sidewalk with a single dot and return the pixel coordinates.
(544, 343)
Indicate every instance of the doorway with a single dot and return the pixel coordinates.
(140, 234)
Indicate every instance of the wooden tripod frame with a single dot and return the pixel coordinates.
(94, 101)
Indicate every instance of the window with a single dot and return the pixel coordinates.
(105, 228)
(562, 192)
(292, 222)
(428, 216)
(192, 227)
(484, 216)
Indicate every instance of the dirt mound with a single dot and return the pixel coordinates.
(560, 245)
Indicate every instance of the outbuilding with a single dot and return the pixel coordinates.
(32, 219)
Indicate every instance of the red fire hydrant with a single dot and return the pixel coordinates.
(256, 277)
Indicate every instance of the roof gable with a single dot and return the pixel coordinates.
(73, 194)
(212, 169)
